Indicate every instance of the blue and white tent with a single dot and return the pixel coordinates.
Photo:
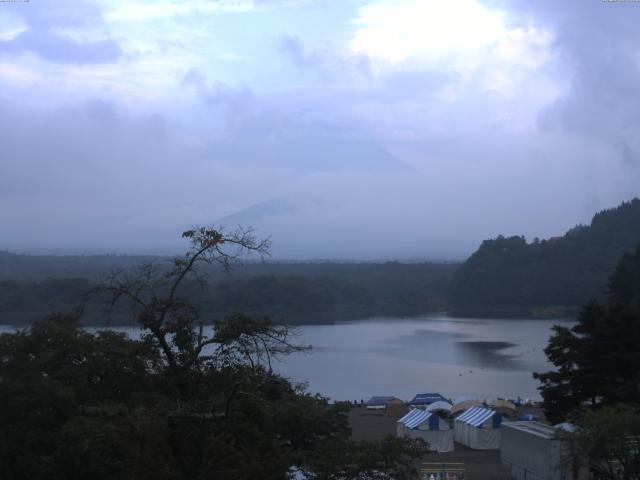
(428, 426)
(478, 428)
(426, 399)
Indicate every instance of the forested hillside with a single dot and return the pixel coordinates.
(510, 277)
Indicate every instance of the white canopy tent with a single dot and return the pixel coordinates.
(428, 426)
(478, 428)
(439, 406)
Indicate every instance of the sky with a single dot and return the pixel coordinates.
(342, 129)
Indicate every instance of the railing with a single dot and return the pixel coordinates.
(442, 471)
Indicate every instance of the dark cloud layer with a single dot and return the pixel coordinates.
(600, 42)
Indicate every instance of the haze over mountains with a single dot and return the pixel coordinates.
(408, 180)
(505, 277)
(123, 123)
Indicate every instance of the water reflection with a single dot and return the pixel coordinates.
(489, 354)
(446, 347)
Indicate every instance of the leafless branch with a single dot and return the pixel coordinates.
(172, 321)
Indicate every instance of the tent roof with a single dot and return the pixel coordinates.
(567, 427)
(415, 418)
(504, 404)
(439, 405)
(464, 398)
(461, 406)
(426, 398)
(536, 428)
(379, 400)
(528, 417)
(476, 416)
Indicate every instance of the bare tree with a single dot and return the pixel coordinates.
(174, 322)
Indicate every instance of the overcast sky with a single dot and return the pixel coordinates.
(362, 129)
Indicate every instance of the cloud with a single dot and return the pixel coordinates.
(596, 47)
(57, 48)
(50, 32)
(597, 40)
(395, 31)
(160, 10)
(295, 50)
(93, 176)
(284, 134)
(330, 64)
(464, 36)
(157, 10)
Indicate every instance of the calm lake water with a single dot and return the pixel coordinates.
(435, 353)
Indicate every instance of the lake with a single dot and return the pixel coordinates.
(434, 353)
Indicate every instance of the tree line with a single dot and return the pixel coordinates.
(289, 293)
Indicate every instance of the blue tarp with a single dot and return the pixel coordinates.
(427, 399)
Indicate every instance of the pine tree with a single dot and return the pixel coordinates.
(598, 360)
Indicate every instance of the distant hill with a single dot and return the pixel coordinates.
(509, 277)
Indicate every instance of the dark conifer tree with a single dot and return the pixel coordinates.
(598, 360)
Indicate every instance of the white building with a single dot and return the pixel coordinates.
(533, 451)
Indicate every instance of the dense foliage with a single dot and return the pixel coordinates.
(182, 402)
(289, 292)
(607, 441)
(510, 277)
(598, 360)
(76, 405)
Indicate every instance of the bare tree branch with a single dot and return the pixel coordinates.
(174, 322)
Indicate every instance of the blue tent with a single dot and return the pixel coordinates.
(478, 428)
(427, 426)
(418, 417)
(427, 399)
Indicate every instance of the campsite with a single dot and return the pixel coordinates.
(466, 437)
